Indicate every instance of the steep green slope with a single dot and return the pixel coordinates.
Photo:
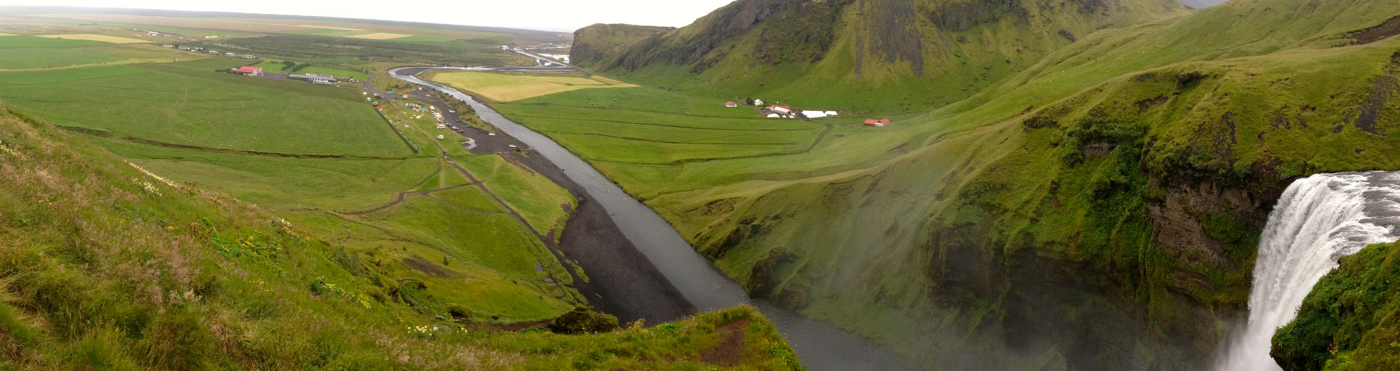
(865, 54)
(1096, 209)
(1351, 320)
(592, 43)
(105, 266)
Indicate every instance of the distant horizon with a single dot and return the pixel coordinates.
(560, 15)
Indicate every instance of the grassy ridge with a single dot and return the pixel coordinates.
(108, 267)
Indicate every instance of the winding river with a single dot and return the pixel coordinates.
(818, 345)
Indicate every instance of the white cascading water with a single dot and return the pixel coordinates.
(1318, 220)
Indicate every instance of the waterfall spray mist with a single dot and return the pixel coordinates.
(1318, 220)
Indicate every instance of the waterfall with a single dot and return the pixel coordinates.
(1318, 220)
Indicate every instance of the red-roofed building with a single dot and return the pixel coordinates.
(731, 104)
(250, 71)
(784, 110)
(875, 123)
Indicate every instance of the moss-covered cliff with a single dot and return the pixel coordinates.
(1351, 320)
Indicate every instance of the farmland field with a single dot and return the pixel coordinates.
(96, 37)
(424, 39)
(10, 42)
(35, 53)
(183, 103)
(506, 87)
(380, 36)
(49, 58)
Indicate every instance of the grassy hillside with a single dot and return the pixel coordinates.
(892, 55)
(107, 266)
(1097, 208)
(1348, 322)
(593, 43)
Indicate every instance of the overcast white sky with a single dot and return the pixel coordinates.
(549, 15)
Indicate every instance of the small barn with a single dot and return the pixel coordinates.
(731, 104)
(877, 123)
(249, 70)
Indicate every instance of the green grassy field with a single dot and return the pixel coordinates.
(168, 276)
(538, 200)
(186, 103)
(17, 42)
(271, 66)
(49, 58)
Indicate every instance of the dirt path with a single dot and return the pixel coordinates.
(108, 135)
(730, 349)
(548, 241)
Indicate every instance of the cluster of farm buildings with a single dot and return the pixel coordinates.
(778, 111)
(314, 78)
(196, 49)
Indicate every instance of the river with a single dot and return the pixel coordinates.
(818, 345)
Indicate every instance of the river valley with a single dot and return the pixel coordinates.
(700, 284)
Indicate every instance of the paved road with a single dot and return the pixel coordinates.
(820, 346)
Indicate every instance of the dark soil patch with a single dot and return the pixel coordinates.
(1390, 27)
(428, 267)
(1145, 104)
(730, 349)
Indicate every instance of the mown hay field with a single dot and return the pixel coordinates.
(507, 87)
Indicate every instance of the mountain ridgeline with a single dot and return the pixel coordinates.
(859, 53)
(1076, 185)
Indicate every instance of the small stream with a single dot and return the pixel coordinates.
(818, 345)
